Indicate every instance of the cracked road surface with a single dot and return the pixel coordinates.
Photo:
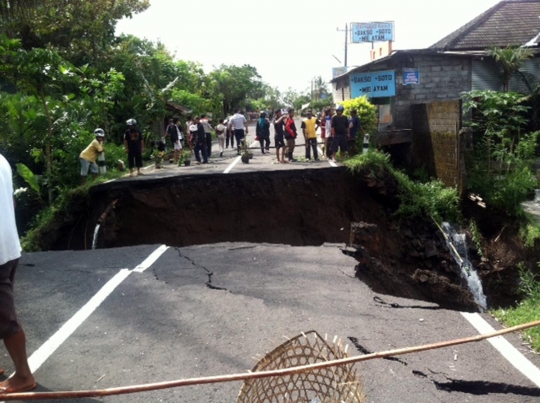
(207, 310)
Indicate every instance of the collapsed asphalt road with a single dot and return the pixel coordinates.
(207, 310)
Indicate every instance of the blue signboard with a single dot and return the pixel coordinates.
(338, 71)
(372, 31)
(411, 76)
(375, 84)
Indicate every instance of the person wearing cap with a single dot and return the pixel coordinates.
(309, 128)
(340, 132)
(290, 134)
(134, 143)
(263, 132)
(89, 155)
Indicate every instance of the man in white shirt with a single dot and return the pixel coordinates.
(238, 123)
(10, 252)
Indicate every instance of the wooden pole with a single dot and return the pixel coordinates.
(256, 375)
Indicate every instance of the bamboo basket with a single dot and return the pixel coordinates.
(337, 384)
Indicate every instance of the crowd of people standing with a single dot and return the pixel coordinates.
(337, 133)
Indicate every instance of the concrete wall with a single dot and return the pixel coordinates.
(441, 78)
(437, 142)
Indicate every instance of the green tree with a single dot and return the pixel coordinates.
(509, 60)
(236, 85)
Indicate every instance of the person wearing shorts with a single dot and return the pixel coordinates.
(10, 252)
(340, 132)
(89, 155)
(175, 134)
(279, 136)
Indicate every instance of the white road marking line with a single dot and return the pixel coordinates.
(230, 167)
(39, 356)
(507, 350)
(332, 163)
(150, 260)
(50, 346)
(237, 160)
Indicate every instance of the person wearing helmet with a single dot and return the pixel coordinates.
(89, 155)
(340, 132)
(134, 143)
(263, 132)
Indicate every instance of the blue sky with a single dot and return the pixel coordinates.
(290, 42)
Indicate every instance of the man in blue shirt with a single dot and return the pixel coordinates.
(354, 127)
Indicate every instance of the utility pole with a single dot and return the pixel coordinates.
(346, 41)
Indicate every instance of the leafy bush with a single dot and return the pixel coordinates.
(500, 169)
(416, 198)
(528, 310)
(366, 112)
(530, 233)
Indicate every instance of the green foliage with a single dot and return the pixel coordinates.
(236, 85)
(416, 199)
(476, 237)
(528, 309)
(59, 211)
(509, 60)
(366, 112)
(29, 177)
(500, 169)
(185, 155)
(530, 233)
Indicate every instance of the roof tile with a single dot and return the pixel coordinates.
(510, 22)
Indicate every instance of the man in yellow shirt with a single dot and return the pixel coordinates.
(89, 155)
(309, 128)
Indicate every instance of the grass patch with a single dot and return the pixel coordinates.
(530, 233)
(417, 199)
(528, 310)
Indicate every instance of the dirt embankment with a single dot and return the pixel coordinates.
(406, 258)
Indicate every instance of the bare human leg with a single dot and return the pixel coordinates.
(22, 380)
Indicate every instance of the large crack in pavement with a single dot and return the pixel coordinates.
(477, 388)
(209, 273)
(480, 388)
(365, 351)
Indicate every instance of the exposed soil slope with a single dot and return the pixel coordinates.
(304, 207)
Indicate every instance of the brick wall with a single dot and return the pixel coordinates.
(441, 78)
(437, 141)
